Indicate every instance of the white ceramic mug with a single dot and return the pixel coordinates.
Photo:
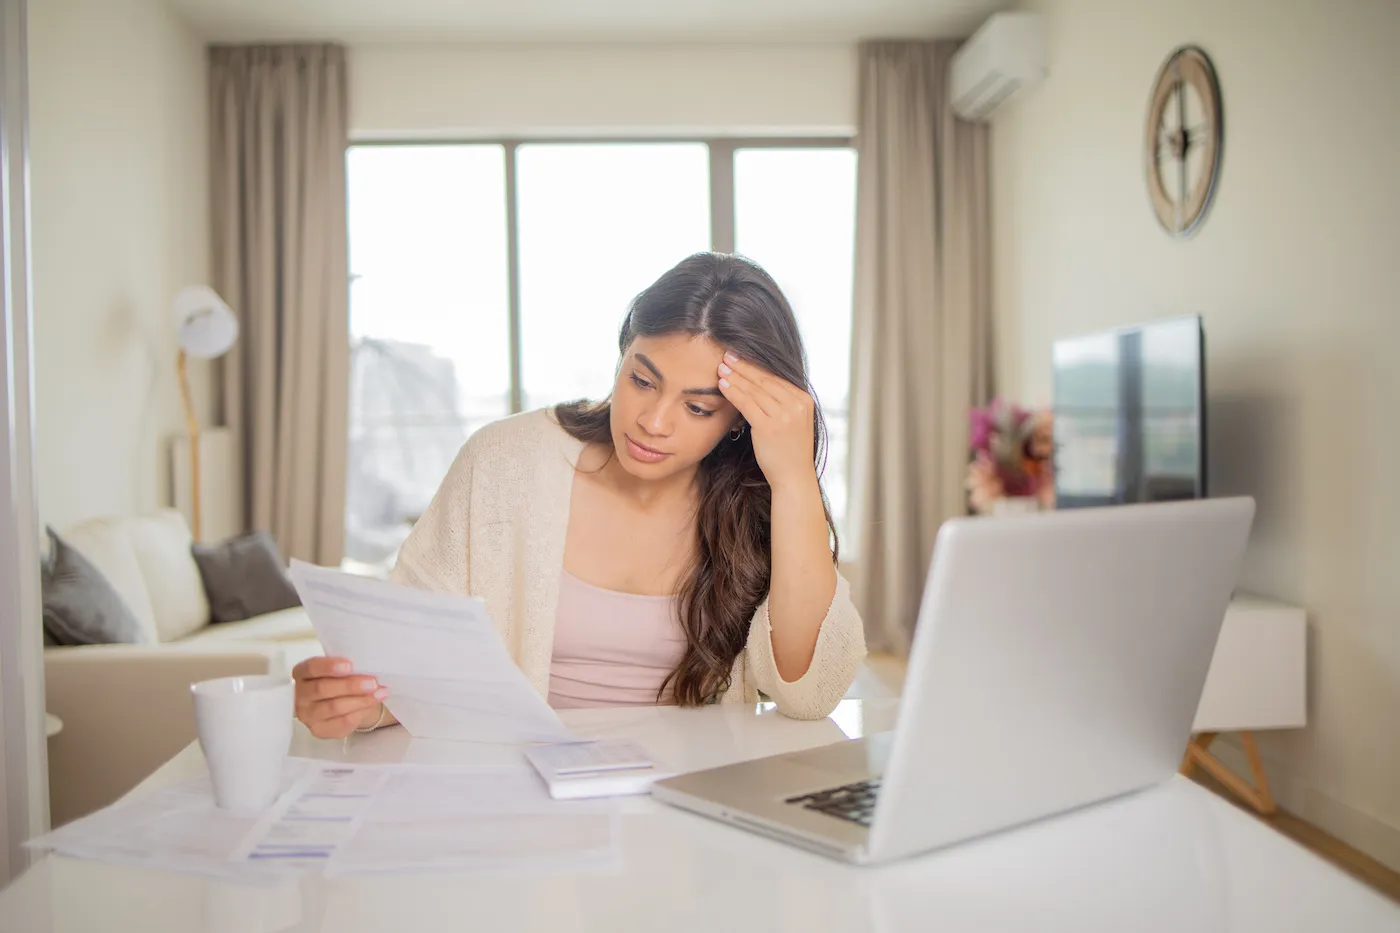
(245, 730)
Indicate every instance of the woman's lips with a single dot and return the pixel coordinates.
(644, 454)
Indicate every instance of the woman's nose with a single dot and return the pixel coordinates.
(657, 419)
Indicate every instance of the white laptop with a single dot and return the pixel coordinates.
(1058, 661)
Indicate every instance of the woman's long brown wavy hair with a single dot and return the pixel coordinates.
(733, 302)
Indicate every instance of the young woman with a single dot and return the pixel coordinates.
(668, 545)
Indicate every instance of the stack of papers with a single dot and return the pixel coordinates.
(448, 673)
(340, 819)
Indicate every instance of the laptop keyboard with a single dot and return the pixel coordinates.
(853, 802)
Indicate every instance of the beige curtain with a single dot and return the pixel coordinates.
(921, 353)
(279, 133)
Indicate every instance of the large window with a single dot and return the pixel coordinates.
(429, 326)
(491, 278)
(597, 224)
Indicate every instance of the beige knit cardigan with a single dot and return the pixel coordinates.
(496, 530)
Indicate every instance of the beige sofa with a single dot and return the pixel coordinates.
(126, 709)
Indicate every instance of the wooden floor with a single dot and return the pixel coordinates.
(1357, 864)
(889, 671)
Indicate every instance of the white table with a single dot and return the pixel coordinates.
(1172, 859)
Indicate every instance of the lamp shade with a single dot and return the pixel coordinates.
(206, 326)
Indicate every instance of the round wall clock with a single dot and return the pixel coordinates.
(1185, 131)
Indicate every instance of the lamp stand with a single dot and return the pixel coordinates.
(192, 428)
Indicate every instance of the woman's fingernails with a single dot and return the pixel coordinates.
(381, 693)
(724, 383)
(368, 686)
(724, 370)
(731, 357)
(343, 667)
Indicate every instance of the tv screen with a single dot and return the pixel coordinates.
(1129, 411)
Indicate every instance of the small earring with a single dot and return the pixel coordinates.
(737, 433)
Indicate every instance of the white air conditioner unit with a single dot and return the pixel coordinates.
(1006, 56)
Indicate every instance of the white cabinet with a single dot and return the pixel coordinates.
(1258, 680)
(1258, 677)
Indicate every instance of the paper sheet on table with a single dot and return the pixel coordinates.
(499, 820)
(177, 828)
(340, 819)
(439, 655)
(308, 826)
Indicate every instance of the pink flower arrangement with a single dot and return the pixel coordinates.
(1013, 453)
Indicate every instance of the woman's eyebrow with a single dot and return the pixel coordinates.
(642, 358)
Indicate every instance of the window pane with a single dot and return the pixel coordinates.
(598, 223)
(429, 318)
(795, 215)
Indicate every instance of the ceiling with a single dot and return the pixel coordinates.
(365, 21)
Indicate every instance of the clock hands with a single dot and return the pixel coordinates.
(1182, 136)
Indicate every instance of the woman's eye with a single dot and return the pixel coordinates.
(702, 412)
(640, 381)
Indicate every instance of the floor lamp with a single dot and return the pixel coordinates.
(206, 329)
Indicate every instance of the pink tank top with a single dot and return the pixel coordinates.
(611, 648)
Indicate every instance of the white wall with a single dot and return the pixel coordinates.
(499, 90)
(120, 221)
(1295, 273)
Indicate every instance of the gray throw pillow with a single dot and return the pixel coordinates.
(244, 577)
(80, 606)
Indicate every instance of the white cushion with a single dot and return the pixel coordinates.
(287, 630)
(284, 625)
(162, 545)
(105, 542)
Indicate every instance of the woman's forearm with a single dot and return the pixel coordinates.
(803, 577)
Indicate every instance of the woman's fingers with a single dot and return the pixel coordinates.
(773, 394)
(330, 700)
(313, 668)
(326, 688)
(338, 727)
(309, 704)
(733, 383)
(325, 710)
(772, 383)
(739, 396)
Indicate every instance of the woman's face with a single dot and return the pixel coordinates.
(667, 410)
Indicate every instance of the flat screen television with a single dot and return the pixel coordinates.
(1130, 415)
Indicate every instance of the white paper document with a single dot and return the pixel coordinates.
(498, 820)
(338, 819)
(175, 828)
(307, 827)
(440, 656)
